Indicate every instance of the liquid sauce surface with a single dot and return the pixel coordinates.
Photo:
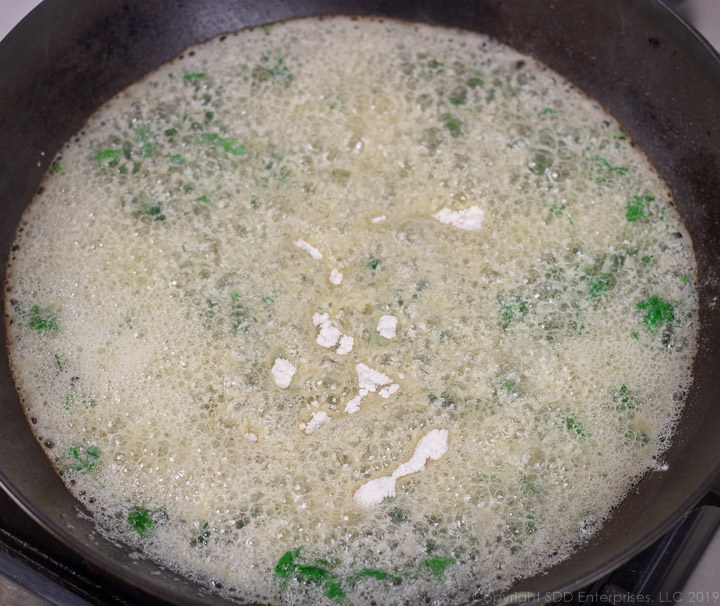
(343, 310)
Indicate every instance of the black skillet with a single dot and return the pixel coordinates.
(651, 71)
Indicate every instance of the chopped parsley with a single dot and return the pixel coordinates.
(621, 170)
(453, 124)
(203, 537)
(286, 564)
(42, 318)
(599, 284)
(230, 145)
(657, 312)
(107, 157)
(86, 461)
(509, 385)
(437, 566)
(272, 69)
(475, 79)
(71, 398)
(193, 76)
(334, 591)
(613, 170)
(624, 399)
(458, 96)
(290, 566)
(533, 485)
(141, 521)
(80, 462)
(509, 311)
(396, 514)
(574, 426)
(142, 135)
(153, 209)
(637, 436)
(636, 208)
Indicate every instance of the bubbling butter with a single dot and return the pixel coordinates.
(502, 356)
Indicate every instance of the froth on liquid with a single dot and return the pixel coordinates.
(541, 281)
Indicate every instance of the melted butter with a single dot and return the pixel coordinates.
(159, 278)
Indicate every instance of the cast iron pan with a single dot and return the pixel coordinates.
(656, 75)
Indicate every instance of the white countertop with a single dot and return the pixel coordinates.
(12, 12)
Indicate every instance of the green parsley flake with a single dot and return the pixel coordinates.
(42, 318)
(657, 312)
(574, 426)
(107, 157)
(636, 208)
(140, 520)
(437, 566)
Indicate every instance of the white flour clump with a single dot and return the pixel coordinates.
(318, 419)
(345, 346)
(283, 372)
(387, 326)
(470, 219)
(329, 335)
(433, 446)
(311, 250)
(336, 277)
(369, 380)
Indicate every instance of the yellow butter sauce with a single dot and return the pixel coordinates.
(158, 281)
